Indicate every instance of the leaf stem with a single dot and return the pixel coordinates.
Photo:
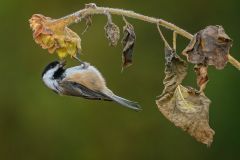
(175, 40)
(163, 38)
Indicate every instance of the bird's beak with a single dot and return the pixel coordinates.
(63, 63)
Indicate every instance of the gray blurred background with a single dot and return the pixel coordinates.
(36, 124)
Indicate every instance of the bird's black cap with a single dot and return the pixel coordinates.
(49, 66)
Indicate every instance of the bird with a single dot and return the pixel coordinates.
(84, 81)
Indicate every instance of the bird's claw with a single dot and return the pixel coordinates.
(85, 65)
(63, 63)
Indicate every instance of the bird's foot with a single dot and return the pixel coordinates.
(85, 65)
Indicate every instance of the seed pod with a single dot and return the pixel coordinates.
(128, 41)
(112, 33)
(209, 46)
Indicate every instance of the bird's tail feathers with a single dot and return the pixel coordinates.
(129, 104)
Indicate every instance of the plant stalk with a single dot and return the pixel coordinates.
(77, 16)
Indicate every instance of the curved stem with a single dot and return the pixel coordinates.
(126, 13)
(234, 62)
(77, 16)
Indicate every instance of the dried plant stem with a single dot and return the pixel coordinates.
(234, 62)
(175, 40)
(103, 10)
(163, 38)
(77, 16)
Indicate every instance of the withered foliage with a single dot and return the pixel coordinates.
(185, 107)
(55, 38)
(209, 46)
(202, 76)
(112, 33)
(128, 41)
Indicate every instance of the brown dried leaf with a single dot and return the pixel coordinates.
(185, 107)
(112, 33)
(128, 41)
(175, 70)
(209, 46)
(54, 37)
(202, 76)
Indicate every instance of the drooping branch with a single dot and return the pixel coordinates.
(77, 16)
(92, 9)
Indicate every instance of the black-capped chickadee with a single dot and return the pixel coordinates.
(81, 81)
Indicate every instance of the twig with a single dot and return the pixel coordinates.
(174, 40)
(234, 62)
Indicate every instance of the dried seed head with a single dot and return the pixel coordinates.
(128, 41)
(54, 37)
(112, 33)
(209, 46)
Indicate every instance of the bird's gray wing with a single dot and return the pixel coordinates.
(75, 89)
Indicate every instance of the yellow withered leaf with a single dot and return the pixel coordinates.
(55, 37)
(62, 53)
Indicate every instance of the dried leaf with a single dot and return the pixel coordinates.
(202, 76)
(112, 33)
(128, 41)
(55, 38)
(185, 107)
(175, 70)
(209, 46)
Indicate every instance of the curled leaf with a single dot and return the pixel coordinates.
(185, 107)
(209, 46)
(202, 76)
(112, 33)
(55, 37)
(175, 71)
(128, 41)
